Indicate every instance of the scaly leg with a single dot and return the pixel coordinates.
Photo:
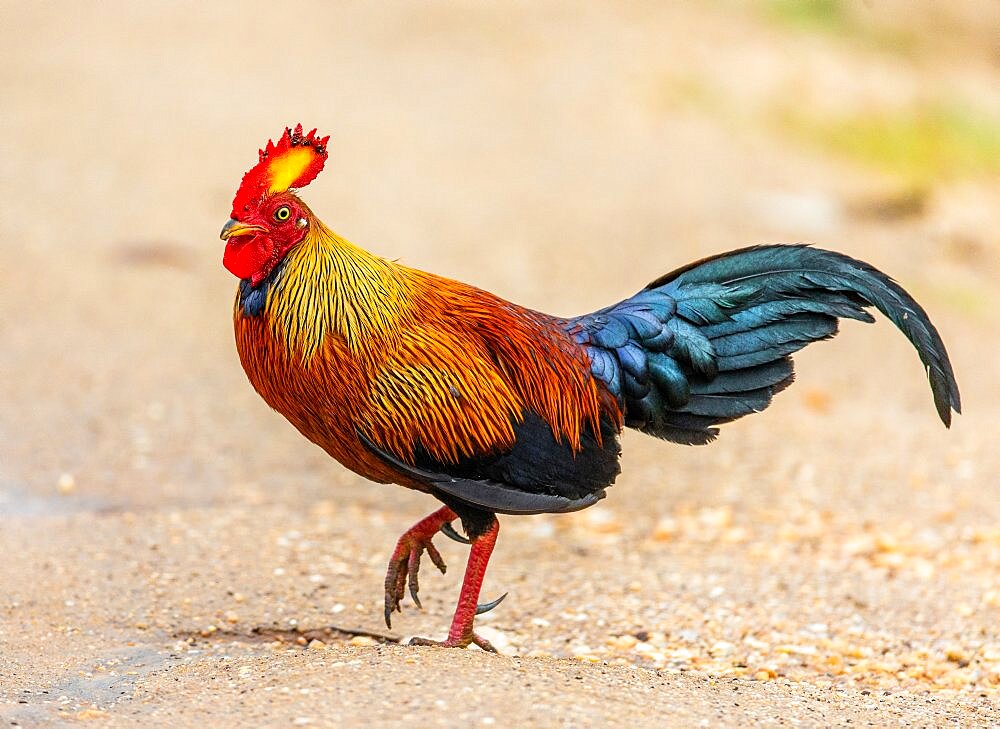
(405, 560)
(461, 633)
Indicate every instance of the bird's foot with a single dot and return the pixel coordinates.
(461, 634)
(462, 642)
(405, 561)
(466, 638)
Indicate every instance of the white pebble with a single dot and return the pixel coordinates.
(66, 484)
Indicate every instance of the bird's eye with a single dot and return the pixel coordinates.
(283, 213)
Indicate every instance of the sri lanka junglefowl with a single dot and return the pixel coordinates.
(492, 408)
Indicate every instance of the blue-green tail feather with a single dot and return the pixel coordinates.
(711, 342)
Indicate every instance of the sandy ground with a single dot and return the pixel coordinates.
(174, 554)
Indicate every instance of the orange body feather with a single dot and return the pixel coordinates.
(352, 342)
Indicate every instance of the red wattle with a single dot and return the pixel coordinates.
(246, 256)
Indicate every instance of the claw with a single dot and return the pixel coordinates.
(487, 606)
(436, 557)
(413, 567)
(449, 531)
(484, 644)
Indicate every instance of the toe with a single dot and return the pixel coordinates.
(414, 583)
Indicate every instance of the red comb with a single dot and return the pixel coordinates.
(293, 162)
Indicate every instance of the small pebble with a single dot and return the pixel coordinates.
(722, 648)
(665, 529)
(956, 655)
(623, 642)
(800, 650)
(91, 713)
(66, 484)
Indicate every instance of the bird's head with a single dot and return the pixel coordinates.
(268, 219)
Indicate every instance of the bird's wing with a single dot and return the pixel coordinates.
(485, 493)
(711, 342)
(464, 416)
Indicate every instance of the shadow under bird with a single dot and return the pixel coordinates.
(492, 408)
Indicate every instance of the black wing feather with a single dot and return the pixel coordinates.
(537, 475)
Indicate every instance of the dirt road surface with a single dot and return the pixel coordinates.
(172, 553)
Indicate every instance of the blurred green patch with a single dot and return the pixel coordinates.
(690, 92)
(920, 144)
(825, 15)
(838, 18)
(967, 300)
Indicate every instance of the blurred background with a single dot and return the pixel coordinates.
(560, 154)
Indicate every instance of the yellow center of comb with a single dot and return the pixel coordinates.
(287, 168)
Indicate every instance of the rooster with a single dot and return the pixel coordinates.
(492, 408)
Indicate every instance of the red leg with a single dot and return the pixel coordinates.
(405, 560)
(461, 633)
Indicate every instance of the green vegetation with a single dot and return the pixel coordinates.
(837, 17)
(918, 144)
(825, 15)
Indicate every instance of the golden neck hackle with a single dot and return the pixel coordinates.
(330, 286)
